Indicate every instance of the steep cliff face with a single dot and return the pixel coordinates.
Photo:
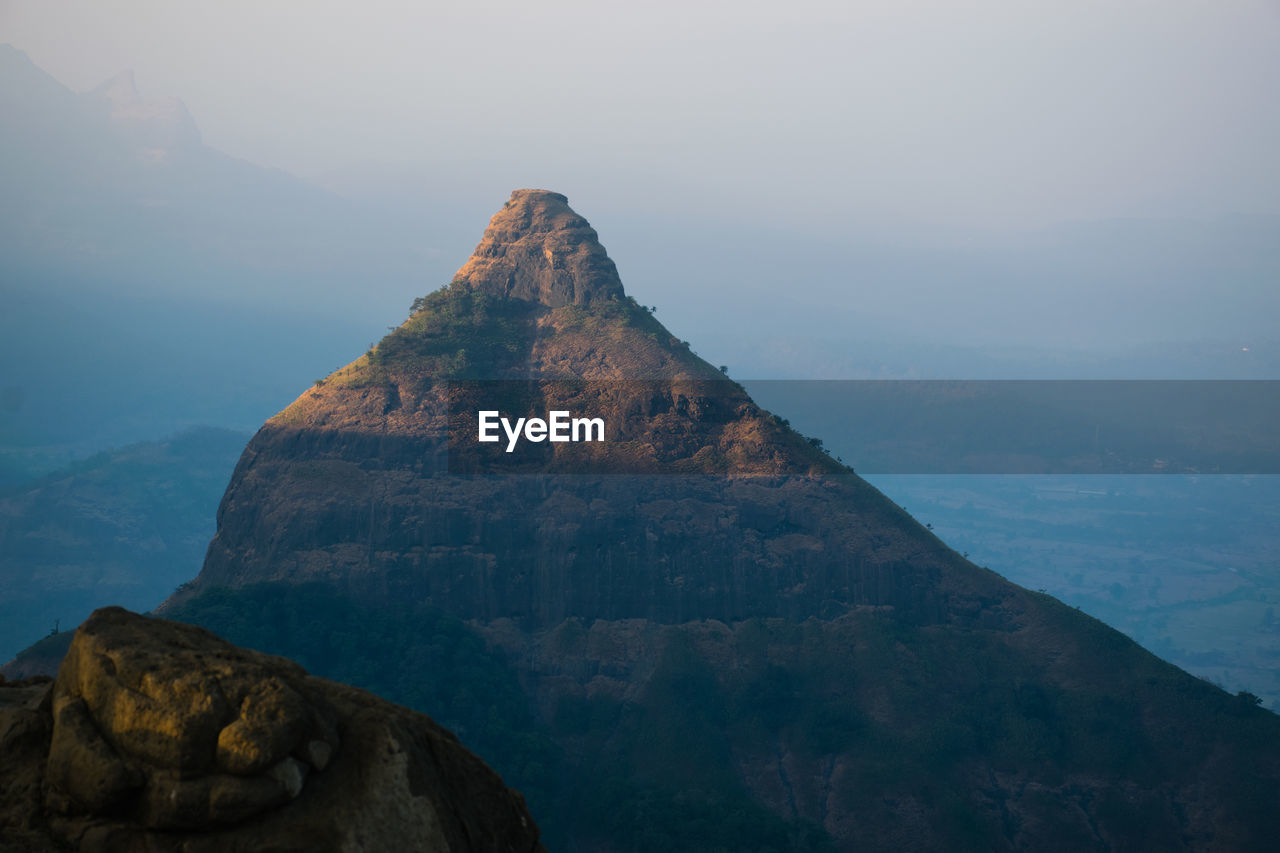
(350, 484)
(757, 622)
(160, 736)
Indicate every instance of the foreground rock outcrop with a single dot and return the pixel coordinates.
(161, 736)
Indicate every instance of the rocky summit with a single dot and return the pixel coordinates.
(754, 650)
(162, 737)
(537, 248)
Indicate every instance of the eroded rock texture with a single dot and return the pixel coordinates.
(161, 736)
(537, 248)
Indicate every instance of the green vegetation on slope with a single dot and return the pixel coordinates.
(452, 333)
(460, 333)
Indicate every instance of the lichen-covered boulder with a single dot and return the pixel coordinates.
(161, 736)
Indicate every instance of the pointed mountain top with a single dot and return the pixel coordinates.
(537, 248)
(156, 126)
(120, 89)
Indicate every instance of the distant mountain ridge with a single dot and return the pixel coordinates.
(159, 128)
(121, 186)
(122, 527)
(161, 282)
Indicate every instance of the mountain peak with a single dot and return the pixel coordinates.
(157, 127)
(120, 89)
(537, 248)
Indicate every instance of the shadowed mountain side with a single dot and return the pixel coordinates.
(543, 548)
(772, 734)
(1061, 735)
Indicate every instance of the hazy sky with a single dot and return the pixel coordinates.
(973, 112)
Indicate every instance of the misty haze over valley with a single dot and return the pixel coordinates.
(208, 212)
(155, 283)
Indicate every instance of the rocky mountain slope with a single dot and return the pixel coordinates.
(736, 643)
(161, 736)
